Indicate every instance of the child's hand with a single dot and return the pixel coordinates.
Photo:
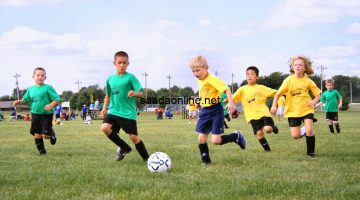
(16, 102)
(312, 103)
(47, 107)
(273, 110)
(102, 113)
(131, 93)
(230, 106)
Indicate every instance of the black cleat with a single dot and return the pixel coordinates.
(42, 152)
(52, 137)
(240, 140)
(120, 154)
(205, 159)
(275, 129)
(311, 155)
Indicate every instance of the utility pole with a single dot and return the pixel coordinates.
(16, 76)
(169, 77)
(78, 83)
(232, 82)
(350, 92)
(322, 68)
(216, 73)
(145, 75)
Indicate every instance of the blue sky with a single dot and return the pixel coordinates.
(76, 40)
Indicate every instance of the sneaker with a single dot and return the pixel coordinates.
(52, 137)
(120, 154)
(42, 152)
(240, 140)
(312, 155)
(205, 159)
(338, 130)
(275, 129)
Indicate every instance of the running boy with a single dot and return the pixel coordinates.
(333, 101)
(299, 106)
(253, 98)
(211, 118)
(42, 98)
(122, 88)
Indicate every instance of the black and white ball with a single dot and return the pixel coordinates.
(159, 162)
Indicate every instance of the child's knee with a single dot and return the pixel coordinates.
(134, 138)
(268, 129)
(106, 128)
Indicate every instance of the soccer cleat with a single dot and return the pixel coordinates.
(42, 152)
(275, 129)
(52, 137)
(205, 159)
(120, 154)
(240, 140)
(338, 129)
(312, 155)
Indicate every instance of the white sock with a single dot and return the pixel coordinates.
(302, 131)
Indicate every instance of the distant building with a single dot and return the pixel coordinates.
(6, 105)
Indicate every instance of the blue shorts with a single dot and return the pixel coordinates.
(211, 119)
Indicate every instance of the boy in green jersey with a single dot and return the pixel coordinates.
(332, 101)
(122, 88)
(42, 98)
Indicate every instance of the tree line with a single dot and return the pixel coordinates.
(87, 95)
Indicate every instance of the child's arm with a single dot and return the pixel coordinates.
(50, 105)
(131, 93)
(106, 103)
(340, 103)
(274, 105)
(230, 105)
(313, 102)
(16, 102)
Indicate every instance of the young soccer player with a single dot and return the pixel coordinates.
(253, 98)
(333, 101)
(281, 108)
(42, 98)
(192, 109)
(122, 88)
(299, 106)
(223, 101)
(211, 118)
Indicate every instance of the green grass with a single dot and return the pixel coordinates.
(82, 164)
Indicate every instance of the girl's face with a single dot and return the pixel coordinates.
(121, 63)
(39, 77)
(199, 72)
(251, 77)
(299, 67)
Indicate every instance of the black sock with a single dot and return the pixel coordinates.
(140, 147)
(337, 128)
(310, 143)
(331, 127)
(264, 144)
(204, 152)
(226, 126)
(228, 138)
(114, 137)
(40, 145)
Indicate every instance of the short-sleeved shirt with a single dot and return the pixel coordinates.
(331, 99)
(281, 101)
(223, 96)
(297, 95)
(39, 96)
(210, 89)
(253, 99)
(117, 87)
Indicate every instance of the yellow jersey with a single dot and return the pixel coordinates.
(253, 98)
(297, 95)
(210, 89)
(281, 101)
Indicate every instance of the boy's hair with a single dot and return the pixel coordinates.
(331, 81)
(255, 69)
(308, 68)
(199, 62)
(121, 54)
(39, 68)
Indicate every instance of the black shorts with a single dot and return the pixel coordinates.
(41, 124)
(57, 116)
(128, 125)
(296, 121)
(333, 116)
(260, 123)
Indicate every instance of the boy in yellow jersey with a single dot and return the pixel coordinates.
(253, 98)
(281, 108)
(299, 106)
(211, 118)
(192, 109)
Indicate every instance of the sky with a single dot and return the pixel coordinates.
(76, 40)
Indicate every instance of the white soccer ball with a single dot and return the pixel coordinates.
(159, 162)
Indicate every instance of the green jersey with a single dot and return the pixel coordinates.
(39, 96)
(331, 99)
(223, 96)
(117, 87)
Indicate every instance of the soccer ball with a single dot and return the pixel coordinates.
(159, 162)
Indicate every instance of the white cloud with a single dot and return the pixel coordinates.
(22, 3)
(293, 13)
(204, 22)
(354, 28)
(337, 52)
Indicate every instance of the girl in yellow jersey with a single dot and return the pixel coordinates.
(299, 106)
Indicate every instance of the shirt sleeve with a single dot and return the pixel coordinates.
(237, 96)
(53, 95)
(283, 88)
(313, 88)
(136, 84)
(108, 88)
(26, 96)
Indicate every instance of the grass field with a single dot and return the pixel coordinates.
(82, 164)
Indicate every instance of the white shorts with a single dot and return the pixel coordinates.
(280, 111)
(192, 113)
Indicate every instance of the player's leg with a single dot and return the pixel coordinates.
(203, 148)
(269, 125)
(36, 131)
(130, 128)
(329, 119)
(336, 122)
(310, 137)
(294, 123)
(258, 126)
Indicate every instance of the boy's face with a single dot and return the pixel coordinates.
(121, 63)
(329, 86)
(39, 77)
(299, 66)
(199, 72)
(251, 77)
